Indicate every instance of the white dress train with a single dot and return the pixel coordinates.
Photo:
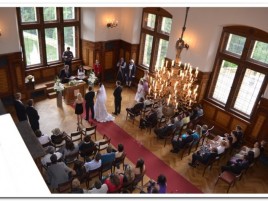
(140, 93)
(101, 114)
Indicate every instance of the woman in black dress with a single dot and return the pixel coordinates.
(79, 107)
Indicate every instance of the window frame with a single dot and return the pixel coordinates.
(156, 33)
(41, 25)
(244, 62)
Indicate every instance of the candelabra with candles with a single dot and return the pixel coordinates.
(175, 86)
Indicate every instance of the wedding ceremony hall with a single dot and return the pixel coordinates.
(133, 101)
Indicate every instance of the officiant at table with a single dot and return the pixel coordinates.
(65, 74)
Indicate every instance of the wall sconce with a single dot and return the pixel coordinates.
(112, 24)
(0, 32)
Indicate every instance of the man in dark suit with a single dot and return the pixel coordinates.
(89, 97)
(65, 74)
(165, 130)
(180, 143)
(117, 98)
(137, 108)
(20, 108)
(32, 115)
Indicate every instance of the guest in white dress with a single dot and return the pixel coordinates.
(140, 91)
(101, 114)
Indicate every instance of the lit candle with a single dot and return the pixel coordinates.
(164, 71)
(196, 71)
(172, 72)
(154, 95)
(149, 90)
(168, 75)
(176, 105)
(190, 102)
(179, 63)
(173, 62)
(166, 63)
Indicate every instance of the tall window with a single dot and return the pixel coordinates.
(156, 27)
(241, 69)
(46, 32)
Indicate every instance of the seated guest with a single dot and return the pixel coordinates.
(149, 120)
(65, 74)
(57, 136)
(140, 167)
(80, 72)
(232, 138)
(69, 149)
(179, 143)
(239, 136)
(109, 156)
(244, 151)
(239, 164)
(159, 111)
(204, 155)
(93, 164)
(98, 188)
(58, 172)
(129, 174)
(197, 112)
(120, 151)
(85, 145)
(76, 188)
(45, 160)
(137, 108)
(160, 186)
(165, 130)
(221, 143)
(43, 139)
(114, 182)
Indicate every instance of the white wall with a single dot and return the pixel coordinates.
(9, 41)
(88, 24)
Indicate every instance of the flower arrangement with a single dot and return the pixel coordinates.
(92, 79)
(58, 86)
(72, 82)
(29, 77)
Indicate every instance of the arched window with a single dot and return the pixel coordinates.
(155, 29)
(46, 32)
(240, 70)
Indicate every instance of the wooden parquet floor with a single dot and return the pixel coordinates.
(255, 181)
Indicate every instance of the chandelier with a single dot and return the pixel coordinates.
(176, 87)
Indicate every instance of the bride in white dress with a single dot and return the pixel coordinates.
(101, 114)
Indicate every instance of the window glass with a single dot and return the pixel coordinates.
(28, 14)
(224, 81)
(69, 38)
(166, 25)
(149, 21)
(31, 44)
(260, 52)
(49, 13)
(68, 13)
(235, 44)
(147, 50)
(162, 51)
(249, 91)
(52, 49)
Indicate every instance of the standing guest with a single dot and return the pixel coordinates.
(43, 139)
(121, 72)
(97, 69)
(80, 72)
(32, 115)
(67, 57)
(65, 74)
(58, 172)
(130, 72)
(117, 98)
(79, 108)
(140, 91)
(20, 108)
(89, 97)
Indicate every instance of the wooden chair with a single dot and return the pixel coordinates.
(161, 121)
(90, 131)
(132, 115)
(131, 186)
(93, 174)
(229, 178)
(146, 109)
(118, 161)
(65, 187)
(76, 136)
(168, 136)
(89, 152)
(103, 143)
(106, 167)
(47, 144)
(209, 164)
(187, 149)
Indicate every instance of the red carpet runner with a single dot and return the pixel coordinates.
(154, 166)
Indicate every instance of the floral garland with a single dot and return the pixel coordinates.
(58, 86)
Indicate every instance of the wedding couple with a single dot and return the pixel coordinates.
(101, 114)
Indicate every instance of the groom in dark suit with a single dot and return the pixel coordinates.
(89, 97)
(117, 98)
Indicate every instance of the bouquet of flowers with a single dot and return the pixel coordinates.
(92, 79)
(72, 82)
(58, 86)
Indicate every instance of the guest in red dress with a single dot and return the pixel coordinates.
(97, 69)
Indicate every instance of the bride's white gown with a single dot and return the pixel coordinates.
(101, 114)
